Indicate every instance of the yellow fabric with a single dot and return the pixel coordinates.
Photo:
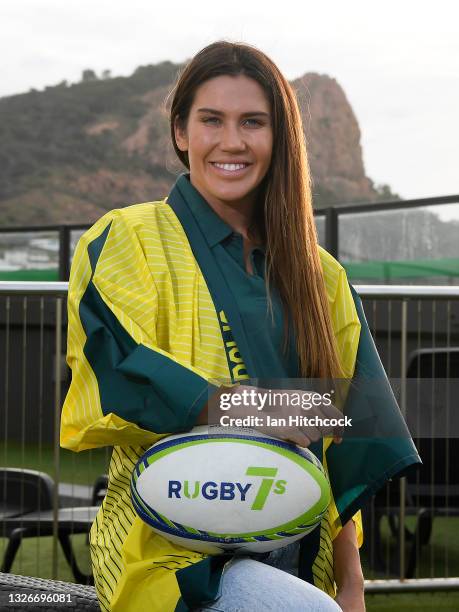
(148, 277)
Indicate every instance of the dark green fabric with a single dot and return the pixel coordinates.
(95, 248)
(247, 290)
(199, 583)
(135, 382)
(379, 445)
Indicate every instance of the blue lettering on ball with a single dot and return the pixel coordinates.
(210, 490)
(174, 488)
(227, 490)
(243, 490)
(213, 492)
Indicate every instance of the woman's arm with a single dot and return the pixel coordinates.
(348, 570)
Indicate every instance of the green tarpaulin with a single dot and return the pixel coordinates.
(389, 270)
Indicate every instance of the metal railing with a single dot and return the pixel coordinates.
(407, 322)
(328, 220)
(332, 214)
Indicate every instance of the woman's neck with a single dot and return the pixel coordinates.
(239, 218)
(239, 215)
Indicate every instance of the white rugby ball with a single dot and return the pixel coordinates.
(211, 490)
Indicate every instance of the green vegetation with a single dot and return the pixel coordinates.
(422, 602)
(77, 468)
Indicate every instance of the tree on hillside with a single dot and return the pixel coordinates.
(88, 75)
(385, 193)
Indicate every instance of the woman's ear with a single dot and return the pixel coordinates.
(181, 137)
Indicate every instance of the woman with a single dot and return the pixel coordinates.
(168, 299)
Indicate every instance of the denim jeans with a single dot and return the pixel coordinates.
(257, 584)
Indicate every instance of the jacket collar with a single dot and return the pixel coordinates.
(212, 226)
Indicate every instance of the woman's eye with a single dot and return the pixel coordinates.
(254, 121)
(215, 120)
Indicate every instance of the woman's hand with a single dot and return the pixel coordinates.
(287, 407)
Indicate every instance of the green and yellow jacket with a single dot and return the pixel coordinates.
(154, 326)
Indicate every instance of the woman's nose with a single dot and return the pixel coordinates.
(232, 139)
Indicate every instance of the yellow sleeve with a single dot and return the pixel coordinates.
(125, 389)
(346, 324)
(357, 518)
(333, 516)
(347, 327)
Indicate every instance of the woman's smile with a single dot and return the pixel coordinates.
(231, 170)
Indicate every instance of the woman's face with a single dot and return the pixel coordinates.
(229, 123)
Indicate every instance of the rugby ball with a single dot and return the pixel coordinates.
(214, 488)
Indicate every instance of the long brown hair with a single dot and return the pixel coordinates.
(285, 217)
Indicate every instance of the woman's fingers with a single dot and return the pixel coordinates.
(289, 434)
(312, 432)
(330, 417)
(309, 425)
(297, 437)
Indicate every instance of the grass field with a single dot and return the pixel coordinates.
(77, 468)
(439, 559)
(424, 602)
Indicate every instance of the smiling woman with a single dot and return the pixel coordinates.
(169, 302)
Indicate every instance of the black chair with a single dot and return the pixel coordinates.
(26, 511)
(432, 491)
(21, 491)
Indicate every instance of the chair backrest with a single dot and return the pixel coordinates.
(99, 490)
(435, 397)
(433, 377)
(24, 491)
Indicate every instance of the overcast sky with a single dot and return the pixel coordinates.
(397, 61)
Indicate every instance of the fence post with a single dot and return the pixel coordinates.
(57, 421)
(331, 231)
(402, 483)
(64, 253)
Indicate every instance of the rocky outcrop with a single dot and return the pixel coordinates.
(333, 139)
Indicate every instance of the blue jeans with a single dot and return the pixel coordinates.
(268, 584)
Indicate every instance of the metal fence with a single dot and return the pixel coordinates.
(34, 379)
(403, 241)
(410, 527)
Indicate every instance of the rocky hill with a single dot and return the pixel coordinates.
(71, 152)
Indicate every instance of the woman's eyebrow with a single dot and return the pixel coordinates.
(217, 112)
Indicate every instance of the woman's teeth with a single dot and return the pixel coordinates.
(230, 167)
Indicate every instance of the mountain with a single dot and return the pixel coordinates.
(71, 152)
